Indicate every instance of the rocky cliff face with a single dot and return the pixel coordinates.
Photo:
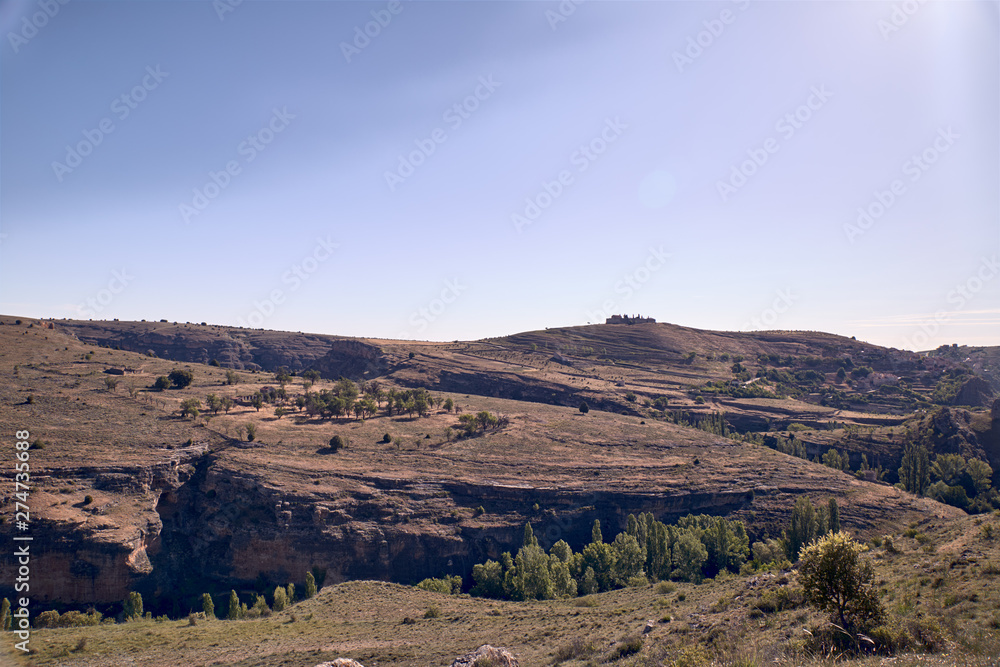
(975, 392)
(242, 349)
(224, 528)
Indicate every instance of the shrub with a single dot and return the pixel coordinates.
(432, 611)
(207, 606)
(259, 609)
(251, 431)
(133, 606)
(337, 443)
(780, 599)
(626, 647)
(446, 585)
(577, 648)
(584, 408)
(280, 599)
(162, 382)
(386, 439)
(47, 619)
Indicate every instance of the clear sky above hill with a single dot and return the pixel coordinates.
(447, 170)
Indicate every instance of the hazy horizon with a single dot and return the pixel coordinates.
(463, 170)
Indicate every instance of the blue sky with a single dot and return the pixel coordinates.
(472, 169)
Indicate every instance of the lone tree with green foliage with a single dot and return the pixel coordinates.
(181, 378)
(207, 605)
(280, 599)
(802, 528)
(833, 515)
(133, 606)
(162, 382)
(234, 606)
(310, 585)
(214, 403)
(914, 471)
(689, 555)
(837, 579)
(190, 408)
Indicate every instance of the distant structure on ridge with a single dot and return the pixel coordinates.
(625, 319)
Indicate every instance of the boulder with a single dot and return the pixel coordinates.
(487, 655)
(341, 662)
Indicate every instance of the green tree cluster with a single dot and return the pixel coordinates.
(914, 469)
(648, 550)
(808, 523)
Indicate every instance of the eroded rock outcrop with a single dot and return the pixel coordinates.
(487, 655)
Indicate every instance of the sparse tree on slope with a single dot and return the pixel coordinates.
(837, 579)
